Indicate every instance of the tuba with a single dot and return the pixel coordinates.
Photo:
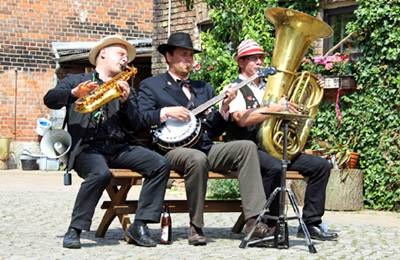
(104, 93)
(294, 33)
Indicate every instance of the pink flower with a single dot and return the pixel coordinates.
(318, 59)
(210, 68)
(328, 66)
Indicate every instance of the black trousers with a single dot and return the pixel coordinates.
(318, 171)
(93, 164)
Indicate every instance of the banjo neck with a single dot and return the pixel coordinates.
(216, 99)
(174, 133)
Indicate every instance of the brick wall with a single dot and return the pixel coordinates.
(27, 30)
(181, 21)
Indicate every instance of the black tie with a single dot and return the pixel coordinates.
(184, 81)
(193, 92)
(187, 82)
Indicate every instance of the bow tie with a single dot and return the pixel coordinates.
(187, 82)
(182, 82)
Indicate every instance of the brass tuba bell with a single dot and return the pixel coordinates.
(294, 33)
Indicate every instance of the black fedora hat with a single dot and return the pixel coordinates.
(178, 39)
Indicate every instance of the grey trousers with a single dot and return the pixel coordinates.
(240, 156)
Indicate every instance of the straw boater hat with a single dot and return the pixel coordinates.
(249, 47)
(109, 40)
(179, 39)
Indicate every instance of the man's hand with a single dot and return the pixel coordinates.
(177, 112)
(230, 94)
(83, 89)
(284, 104)
(125, 89)
(320, 81)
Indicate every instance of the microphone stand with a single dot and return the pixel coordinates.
(281, 235)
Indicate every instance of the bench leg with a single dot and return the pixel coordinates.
(237, 228)
(117, 196)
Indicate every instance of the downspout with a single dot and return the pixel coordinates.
(55, 50)
(169, 23)
(15, 103)
(169, 18)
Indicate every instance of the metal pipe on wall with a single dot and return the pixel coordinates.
(15, 103)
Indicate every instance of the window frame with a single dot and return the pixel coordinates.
(328, 14)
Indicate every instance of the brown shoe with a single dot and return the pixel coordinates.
(196, 236)
(261, 231)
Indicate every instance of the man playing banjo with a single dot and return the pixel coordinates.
(169, 97)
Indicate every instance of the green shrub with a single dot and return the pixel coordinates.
(223, 189)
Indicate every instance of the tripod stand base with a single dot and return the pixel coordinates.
(311, 249)
(281, 228)
(281, 235)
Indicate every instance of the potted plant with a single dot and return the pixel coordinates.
(336, 69)
(342, 155)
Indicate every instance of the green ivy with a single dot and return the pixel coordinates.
(370, 115)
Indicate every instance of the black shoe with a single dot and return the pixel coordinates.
(71, 238)
(140, 235)
(316, 232)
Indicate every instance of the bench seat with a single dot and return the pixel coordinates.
(122, 180)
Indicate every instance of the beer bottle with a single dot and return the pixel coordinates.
(166, 226)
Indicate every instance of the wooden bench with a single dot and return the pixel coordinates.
(122, 180)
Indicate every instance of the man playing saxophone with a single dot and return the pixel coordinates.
(100, 140)
(246, 114)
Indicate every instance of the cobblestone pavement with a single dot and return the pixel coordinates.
(36, 207)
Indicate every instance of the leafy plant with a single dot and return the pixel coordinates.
(373, 112)
(223, 189)
(339, 152)
(333, 65)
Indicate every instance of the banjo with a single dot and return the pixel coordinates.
(175, 133)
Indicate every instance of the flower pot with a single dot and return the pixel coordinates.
(353, 160)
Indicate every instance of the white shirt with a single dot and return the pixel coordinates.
(239, 102)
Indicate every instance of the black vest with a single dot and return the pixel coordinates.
(235, 132)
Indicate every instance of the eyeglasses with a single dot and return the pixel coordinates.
(254, 58)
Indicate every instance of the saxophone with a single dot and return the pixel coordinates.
(295, 31)
(104, 93)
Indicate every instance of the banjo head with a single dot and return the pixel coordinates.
(175, 131)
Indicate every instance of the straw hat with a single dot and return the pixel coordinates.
(109, 40)
(178, 39)
(249, 47)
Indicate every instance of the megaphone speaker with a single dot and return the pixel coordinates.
(56, 144)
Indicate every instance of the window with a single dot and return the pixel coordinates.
(338, 18)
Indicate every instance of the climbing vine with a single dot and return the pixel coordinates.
(371, 115)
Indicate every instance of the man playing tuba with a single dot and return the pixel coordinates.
(246, 111)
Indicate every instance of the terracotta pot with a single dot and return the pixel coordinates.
(353, 160)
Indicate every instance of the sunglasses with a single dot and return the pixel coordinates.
(254, 58)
